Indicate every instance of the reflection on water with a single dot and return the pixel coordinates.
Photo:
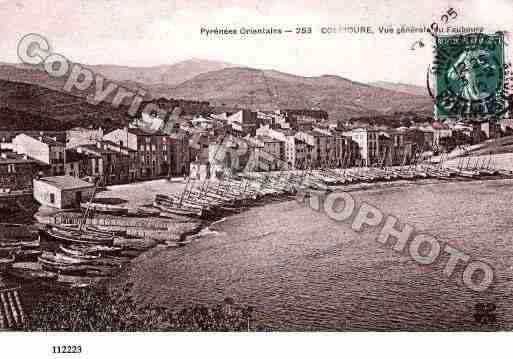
(302, 271)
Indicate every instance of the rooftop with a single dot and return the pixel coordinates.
(8, 157)
(74, 156)
(93, 148)
(142, 132)
(113, 144)
(66, 182)
(265, 138)
(47, 140)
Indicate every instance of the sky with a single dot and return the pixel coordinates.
(157, 32)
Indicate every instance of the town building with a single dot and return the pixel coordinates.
(484, 130)
(269, 152)
(77, 164)
(368, 143)
(7, 136)
(440, 131)
(303, 119)
(244, 122)
(297, 153)
(153, 150)
(179, 154)
(83, 136)
(347, 152)
(62, 191)
(224, 159)
(111, 166)
(17, 172)
(323, 147)
(44, 149)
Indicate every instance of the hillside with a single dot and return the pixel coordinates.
(265, 89)
(406, 88)
(170, 75)
(245, 87)
(35, 76)
(52, 110)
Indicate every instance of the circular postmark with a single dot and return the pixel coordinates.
(469, 76)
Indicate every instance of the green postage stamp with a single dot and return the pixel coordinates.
(470, 74)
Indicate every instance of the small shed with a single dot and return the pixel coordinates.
(62, 191)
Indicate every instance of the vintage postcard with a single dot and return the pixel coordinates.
(255, 166)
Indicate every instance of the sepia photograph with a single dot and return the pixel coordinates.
(241, 166)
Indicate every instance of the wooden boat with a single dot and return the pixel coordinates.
(467, 173)
(505, 172)
(74, 281)
(62, 258)
(60, 233)
(6, 261)
(147, 211)
(27, 254)
(78, 253)
(172, 205)
(15, 232)
(88, 228)
(57, 262)
(30, 270)
(16, 237)
(105, 208)
(93, 249)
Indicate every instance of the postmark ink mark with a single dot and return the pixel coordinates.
(470, 76)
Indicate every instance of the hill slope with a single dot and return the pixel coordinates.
(267, 89)
(406, 88)
(166, 74)
(26, 106)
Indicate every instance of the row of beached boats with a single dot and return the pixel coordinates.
(17, 242)
(74, 256)
(212, 198)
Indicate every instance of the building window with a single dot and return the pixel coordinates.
(147, 139)
(52, 198)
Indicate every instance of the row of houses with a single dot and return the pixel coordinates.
(310, 144)
(121, 156)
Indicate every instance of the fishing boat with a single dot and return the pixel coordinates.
(147, 211)
(78, 253)
(27, 254)
(92, 249)
(5, 262)
(61, 263)
(105, 208)
(72, 235)
(177, 206)
(81, 233)
(30, 270)
(74, 281)
(15, 237)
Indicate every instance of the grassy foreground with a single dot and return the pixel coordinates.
(88, 310)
